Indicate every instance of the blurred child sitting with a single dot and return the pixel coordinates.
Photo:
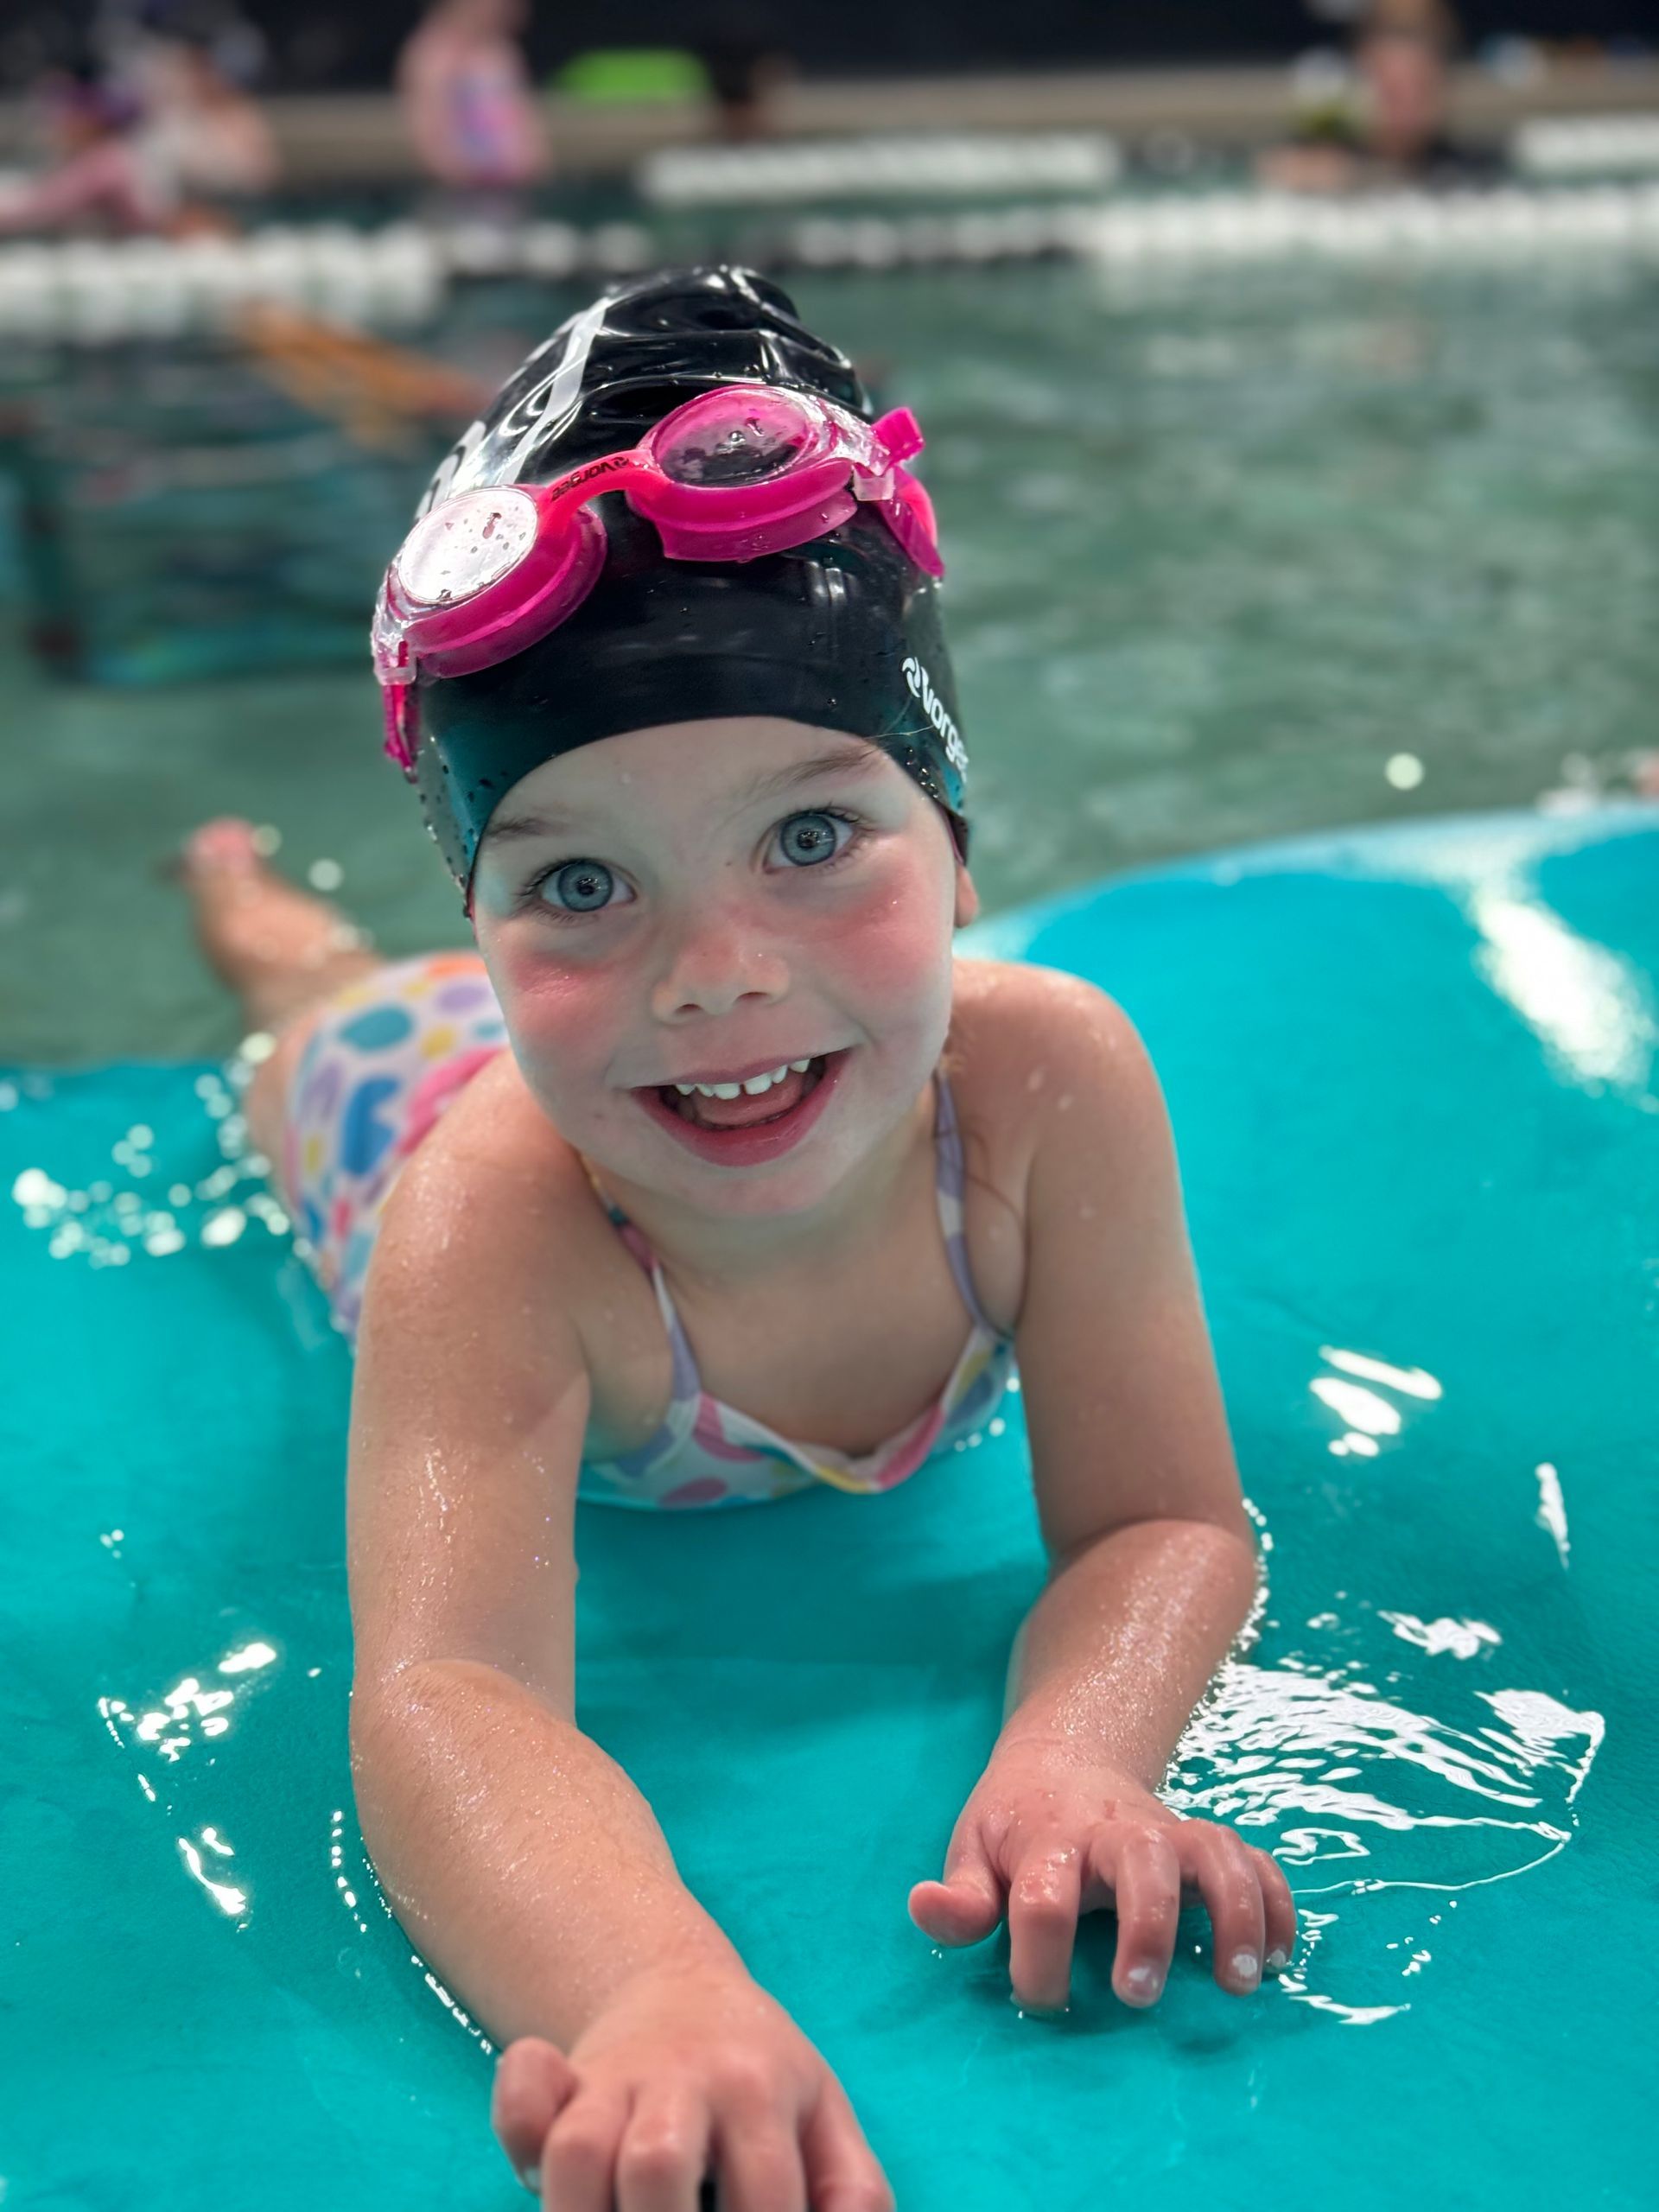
(1395, 132)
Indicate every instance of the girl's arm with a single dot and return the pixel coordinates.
(1152, 1558)
(527, 1868)
(1152, 1564)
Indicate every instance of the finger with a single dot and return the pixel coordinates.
(967, 1904)
(1280, 1908)
(842, 2171)
(962, 1909)
(666, 2152)
(1223, 1866)
(1043, 1900)
(760, 2160)
(1143, 1873)
(578, 2157)
(534, 2081)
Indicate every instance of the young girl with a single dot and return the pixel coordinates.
(470, 107)
(713, 1148)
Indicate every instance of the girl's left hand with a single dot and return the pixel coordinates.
(1056, 1837)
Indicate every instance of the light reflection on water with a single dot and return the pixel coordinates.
(1347, 1775)
(108, 1222)
(1408, 1777)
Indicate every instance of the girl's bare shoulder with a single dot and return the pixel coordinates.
(495, 1189)
(1030, 1048)
(495, 1221)
(1020, 1034)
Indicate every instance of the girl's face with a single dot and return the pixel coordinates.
(706, 898)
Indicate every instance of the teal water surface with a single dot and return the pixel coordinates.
(1412, 1077)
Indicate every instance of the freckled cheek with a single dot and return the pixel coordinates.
(560, 1016)
(891, 951)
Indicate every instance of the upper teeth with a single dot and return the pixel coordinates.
(754, 1086)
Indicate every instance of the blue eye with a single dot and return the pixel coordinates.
(810, 837)
(572, 888)
(583, 886)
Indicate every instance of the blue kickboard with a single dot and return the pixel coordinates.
(1412, 1077)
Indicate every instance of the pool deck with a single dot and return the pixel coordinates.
(352, 138)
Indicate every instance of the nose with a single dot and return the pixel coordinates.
(717, 953)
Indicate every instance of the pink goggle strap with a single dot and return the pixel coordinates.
(900, 433)
(402, 711)
(910, 516)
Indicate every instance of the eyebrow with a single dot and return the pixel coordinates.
(857, 758)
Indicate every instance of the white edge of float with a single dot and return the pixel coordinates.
(1450, 850)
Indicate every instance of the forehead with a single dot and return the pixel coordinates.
(731, 762)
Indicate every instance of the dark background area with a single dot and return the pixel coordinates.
(313, 47)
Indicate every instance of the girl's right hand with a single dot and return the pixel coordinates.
(688, 2070)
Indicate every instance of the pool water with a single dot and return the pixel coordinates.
(1234, 557)
(1412, 1072)
(1222, 545)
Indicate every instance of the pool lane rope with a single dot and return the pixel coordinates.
(398, 276)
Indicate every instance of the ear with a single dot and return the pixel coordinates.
(967, 898)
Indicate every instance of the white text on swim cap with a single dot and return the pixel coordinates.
(933, 707)
(555, 401)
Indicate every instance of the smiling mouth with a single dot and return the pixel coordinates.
(746, 1112)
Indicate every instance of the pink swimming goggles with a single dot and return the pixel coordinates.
(735, 474)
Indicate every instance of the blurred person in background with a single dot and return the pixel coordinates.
(1404, 55)
(747, 63)
(94, 178)
(122, 30)
(204, 138)
(1394, 131)
(471, 109)
(162, 143)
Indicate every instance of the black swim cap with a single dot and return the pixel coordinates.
(842, 632)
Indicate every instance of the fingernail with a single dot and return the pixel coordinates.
(1277, 1961)
(1145, 1981)
(1245, 1968)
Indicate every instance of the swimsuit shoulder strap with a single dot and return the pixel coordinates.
(687, 1383)
(631, 1236)
(949, 1181)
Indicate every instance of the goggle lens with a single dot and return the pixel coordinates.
(720, 442)
(465, 544)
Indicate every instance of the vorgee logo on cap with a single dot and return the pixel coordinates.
(933, 707)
